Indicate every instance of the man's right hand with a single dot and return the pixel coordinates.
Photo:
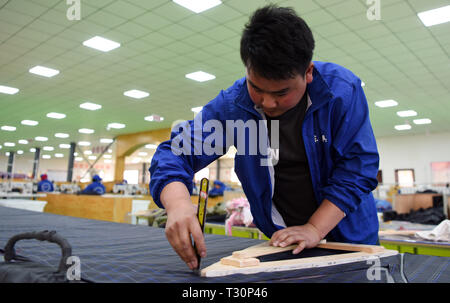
(182, 222)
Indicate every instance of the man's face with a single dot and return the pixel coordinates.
(276, 97)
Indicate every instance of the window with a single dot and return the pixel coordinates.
(132, 176)
(404, 177)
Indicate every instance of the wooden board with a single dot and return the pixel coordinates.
(245, 262)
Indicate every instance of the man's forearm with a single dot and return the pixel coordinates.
(326, 217)
(175, 195)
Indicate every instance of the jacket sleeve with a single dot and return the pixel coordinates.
(354, 152)
(188, 149)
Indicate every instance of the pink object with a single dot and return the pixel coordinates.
(238, 214)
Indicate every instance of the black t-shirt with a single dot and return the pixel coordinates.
(293, 194)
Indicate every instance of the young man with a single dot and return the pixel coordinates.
(95, 188)
(319, 186)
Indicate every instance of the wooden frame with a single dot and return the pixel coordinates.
(245, 261)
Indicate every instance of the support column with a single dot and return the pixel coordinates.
(37, 155)
(71, 159)
(11, 164)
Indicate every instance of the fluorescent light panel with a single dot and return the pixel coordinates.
(23, 141)
(8, 128)
(86, 131)
(403, 127)
(84, 143)
(48, 148)
(44, 71)
(101, 44)
(386, 103)
(90, 106)
(56, 115)
(59, 155)
(65, 146)
(422, 121)
(41, 139)
(200, 76)
(105, 140)
(20, 152)
(435, 16)
(407, 113)
(61, 135)
(8, 90)
(46, 157)
(154, 118)
(29, 122)
(115, 125)
(136, 94)
(198, 6)
(9, 144)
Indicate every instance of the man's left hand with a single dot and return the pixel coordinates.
(306, 236)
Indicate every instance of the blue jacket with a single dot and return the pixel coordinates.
(339, 143)
(95, 188)
(45, 186)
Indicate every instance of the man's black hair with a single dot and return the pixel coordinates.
(276, 43)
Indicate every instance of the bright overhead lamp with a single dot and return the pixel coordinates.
(59, 155)
(92, 157)
(386, 103)
(101, 44)
(151, 146)
(48, 148)
(154, 118)
(8, 128)
(198, 6)
(8, 90)
(106, 140)
(197, 109)
(200, 76)
(115, 125)
(403, 127)
(87, 152)
(44, 71)
(107, 156)
(20, 152)
(84, 143)
(90, 106)
(143, 154)
(407, 113)
(56, 115)
(29, 122)
(46, 157)
(23, 141)
(65, 146)
(61, 135)
(32, 150)
(86, 131)
(43, 139)
(136, 94)
(422, 121)
(9, 144)
(435, 16)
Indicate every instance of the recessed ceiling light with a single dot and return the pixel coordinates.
(20, 152)
(84, 143)
(151, 146)
(8, 128)
(154, 118)
(8, 90)
(56, 115)
(422, 121)
(44, 71)
(407, 113)
(435, 16)
(29, 122)
(106, 140)
(32, 150)
(86, 131)
(197, 109)
(46, 157)
(48, 148)
(90, 106)
(136, 94)
(87, 152)
(198, 6)
(9, 144)
(101, 44)
(115, 125)
(65, 146)
(59, 155)
(23, 141)
(41, 139)
(200, 76)
(61, 135)
(386, 103)
(403, 127)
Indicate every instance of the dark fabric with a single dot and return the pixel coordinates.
(432, 216)
(293, 194)
(114, 252)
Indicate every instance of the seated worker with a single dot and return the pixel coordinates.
(218, 189)
(95, 188)
(312, 178)
(45, 185)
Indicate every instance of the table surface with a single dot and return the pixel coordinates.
(117, 252)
